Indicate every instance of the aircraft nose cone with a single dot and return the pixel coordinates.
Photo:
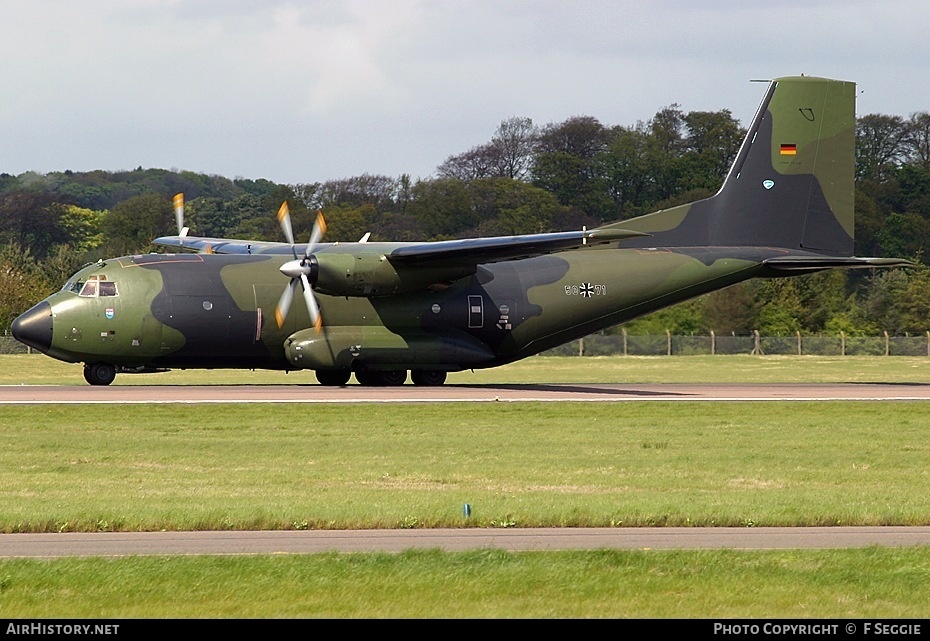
(34, 327)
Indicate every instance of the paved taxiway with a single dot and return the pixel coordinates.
(122, 544)
(517, 539)
(37, 394)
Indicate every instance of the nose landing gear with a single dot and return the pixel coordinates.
(99, 373)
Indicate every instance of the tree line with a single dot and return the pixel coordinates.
(525, 179)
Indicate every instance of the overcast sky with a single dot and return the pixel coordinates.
(308, 91)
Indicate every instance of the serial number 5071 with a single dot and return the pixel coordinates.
(586, 289)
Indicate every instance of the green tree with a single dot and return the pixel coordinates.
(508, 207)
(904, 234)
(780, 307)
(683, 319)
(897, 301)
(442, 207)
(733, 310)
(132, 224)
(21, 283)
(567, 165)
(627, 176)
(917, 144)
(881, 143)
(32, 220)
(712, 141)
(84, 226)
(348, 223)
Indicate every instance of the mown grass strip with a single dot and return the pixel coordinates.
(180, 467)
(868, 583)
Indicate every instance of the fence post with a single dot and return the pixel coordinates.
(842, 343)
(799, 343)
(581, 346)
(887, 351)
(757, 343)
(668, 343)
(713, 343)
(623, 331)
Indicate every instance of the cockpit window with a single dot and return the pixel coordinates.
(89, 289)
(96, 285)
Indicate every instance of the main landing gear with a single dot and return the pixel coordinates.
(380, 377)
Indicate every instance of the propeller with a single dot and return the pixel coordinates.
(179, 215)
(182, 230)
(299, 270)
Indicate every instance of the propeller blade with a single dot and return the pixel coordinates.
(319, 230)
(179, 212)
(284, 219)
(315, 317)
(284, 303)
(179, 217)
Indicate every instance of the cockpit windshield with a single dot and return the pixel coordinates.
(95, 286)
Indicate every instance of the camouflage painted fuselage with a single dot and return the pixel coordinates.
(215, 311)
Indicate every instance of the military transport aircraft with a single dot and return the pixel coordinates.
(380, 310)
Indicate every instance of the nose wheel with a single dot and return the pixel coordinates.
(99, 373)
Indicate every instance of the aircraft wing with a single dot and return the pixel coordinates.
(449, 253)
(222, 245)
(475, 251)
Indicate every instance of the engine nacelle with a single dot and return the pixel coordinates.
(372, 275)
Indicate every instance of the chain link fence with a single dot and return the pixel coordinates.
(672, 345)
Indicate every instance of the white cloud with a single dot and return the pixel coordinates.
(307, 91)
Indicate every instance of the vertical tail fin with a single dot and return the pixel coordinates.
(791, 185)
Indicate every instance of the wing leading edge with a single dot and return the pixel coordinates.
(469, 251)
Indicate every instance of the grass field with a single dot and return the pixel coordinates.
(286, 466)
(265, 466)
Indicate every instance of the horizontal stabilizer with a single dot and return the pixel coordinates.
(806, 263)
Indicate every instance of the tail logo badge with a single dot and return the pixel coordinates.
(768, 184)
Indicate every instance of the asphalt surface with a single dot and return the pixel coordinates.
(517, 539)
(303, 542)
(37, 394)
